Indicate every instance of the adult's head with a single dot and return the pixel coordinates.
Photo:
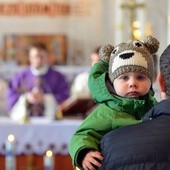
(95, 56)
(164, 76)
(38, 55)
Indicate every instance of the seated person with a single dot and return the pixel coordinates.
(38, 90)
(80, 103)
(146, 145)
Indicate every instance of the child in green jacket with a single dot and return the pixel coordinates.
(121, 83)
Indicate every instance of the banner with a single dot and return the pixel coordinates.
(35, 8)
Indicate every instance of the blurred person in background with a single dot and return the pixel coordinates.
(79, 87)
(38, 90)
(80, 102)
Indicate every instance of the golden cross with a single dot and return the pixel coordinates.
(132, 5)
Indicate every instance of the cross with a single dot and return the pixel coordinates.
(132, 5)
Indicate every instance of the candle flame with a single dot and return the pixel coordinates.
(49, 153)
(11, 138)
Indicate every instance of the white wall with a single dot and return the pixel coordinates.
(87, 31)
(83, 32)
(155, 15)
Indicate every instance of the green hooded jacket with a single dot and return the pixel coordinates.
(112, 112)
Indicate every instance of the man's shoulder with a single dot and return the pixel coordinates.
(23, 71)
(135, 144)
(54, 70)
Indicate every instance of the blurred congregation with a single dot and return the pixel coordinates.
(47, 48)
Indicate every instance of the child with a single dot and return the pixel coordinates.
(124, 93)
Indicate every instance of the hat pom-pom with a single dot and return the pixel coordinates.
(152, 44)
(105, 52)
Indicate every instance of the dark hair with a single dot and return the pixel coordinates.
(165, 69)
(96, 50)
(39, 45)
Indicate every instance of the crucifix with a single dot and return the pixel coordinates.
(132, 6)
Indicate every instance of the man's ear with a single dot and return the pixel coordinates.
(161, 82)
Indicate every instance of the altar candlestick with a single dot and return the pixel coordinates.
(10, 156)
(48, 160)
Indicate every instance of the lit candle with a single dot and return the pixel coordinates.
(10, 157)
(48, 160)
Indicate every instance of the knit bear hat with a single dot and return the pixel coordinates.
(134, 56)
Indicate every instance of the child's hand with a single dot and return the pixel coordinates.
(92, 160)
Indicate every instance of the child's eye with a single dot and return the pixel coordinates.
(141, 77)
(124, 78)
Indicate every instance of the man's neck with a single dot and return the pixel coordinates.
(39, 71)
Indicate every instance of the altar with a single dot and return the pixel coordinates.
(33, 139)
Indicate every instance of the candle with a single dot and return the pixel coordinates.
(10, 157)
(48, 160)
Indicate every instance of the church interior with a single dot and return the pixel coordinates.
(71, 29)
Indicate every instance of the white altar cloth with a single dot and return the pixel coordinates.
(38, 136)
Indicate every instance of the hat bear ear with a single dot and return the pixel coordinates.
(152, 44)
(105, 52)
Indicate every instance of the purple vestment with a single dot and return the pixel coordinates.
(52, 82)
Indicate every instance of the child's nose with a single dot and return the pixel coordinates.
(133, 82)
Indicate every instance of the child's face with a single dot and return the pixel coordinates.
(132, 85)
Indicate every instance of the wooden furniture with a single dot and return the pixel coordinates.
(35, 162)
